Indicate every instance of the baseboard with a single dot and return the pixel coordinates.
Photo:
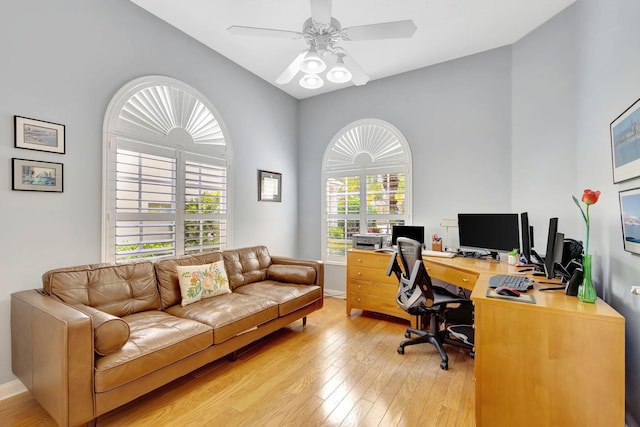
(335, 294)
(11, 389)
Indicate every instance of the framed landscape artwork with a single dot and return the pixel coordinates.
(630, 217)
(269, 186)
(33, 175)
(625, 144)
(35, 134)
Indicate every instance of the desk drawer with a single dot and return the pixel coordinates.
(373, 288)
(377, 304)
(375, 260)
(372, 275)
(461, 278)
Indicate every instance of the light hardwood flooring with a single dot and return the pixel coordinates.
(335, 371)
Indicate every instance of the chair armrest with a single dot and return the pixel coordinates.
(52, 354)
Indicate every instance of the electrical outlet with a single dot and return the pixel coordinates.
(635, 290)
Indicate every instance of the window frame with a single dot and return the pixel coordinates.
(363, 162)
(211, 146)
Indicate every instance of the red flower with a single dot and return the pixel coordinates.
(590, 197)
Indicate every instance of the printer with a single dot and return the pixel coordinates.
(369, 241)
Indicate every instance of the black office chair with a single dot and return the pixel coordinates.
(420, 298)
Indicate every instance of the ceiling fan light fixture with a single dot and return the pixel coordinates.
(311, 81)
(339, 73)
(312, 63)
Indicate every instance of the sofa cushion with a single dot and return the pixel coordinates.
(117, 289)
(202, 281)
(157, 340)
(246, 265)
(292, 273)
(168, 283)
(110, 333)
(230, 314)
(289, 296)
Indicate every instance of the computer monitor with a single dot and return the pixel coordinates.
(525, 232)
(415, 232)
(496, 232)
(553, 256)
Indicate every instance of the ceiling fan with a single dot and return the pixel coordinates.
(322, 32)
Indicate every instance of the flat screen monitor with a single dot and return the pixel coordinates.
(550, 256)
(525, 233)
(415, 232)
(496, 232)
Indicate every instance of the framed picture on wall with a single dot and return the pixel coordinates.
(625, 144)
(269, 186)
(630, 218)
(35, 134)
(33, 175)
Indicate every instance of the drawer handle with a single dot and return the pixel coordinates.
(359, 300)
(359, 273)
(359, 259)
(465, 280)
(359, 286)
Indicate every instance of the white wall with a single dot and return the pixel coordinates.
(62, 62)
(455, 117)
(609, 70)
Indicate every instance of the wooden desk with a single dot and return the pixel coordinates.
(558, 362)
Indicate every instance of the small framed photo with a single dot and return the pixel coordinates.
(630, 218)
(33, 175)
(38, 135)
(269, 186)
(625, 144)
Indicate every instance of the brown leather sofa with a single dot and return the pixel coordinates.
(98, 336)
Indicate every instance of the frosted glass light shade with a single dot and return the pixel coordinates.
(339, 73)
(311, 81)
(312, 63)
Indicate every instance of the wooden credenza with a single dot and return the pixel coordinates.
(558, 362)
(368, 286)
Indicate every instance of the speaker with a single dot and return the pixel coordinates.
(574, 282)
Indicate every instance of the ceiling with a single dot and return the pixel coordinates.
(447, 29)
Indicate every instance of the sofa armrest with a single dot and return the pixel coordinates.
(52, 354)
(316, 265)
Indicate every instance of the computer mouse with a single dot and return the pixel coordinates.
(505, 290)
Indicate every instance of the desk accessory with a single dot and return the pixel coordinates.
(526, 298)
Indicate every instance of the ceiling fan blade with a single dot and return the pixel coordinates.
(263, 32)
(292, 69)
(321, 12)
(358, 76)
(384, 30)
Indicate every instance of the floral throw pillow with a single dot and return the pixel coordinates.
(202, 281)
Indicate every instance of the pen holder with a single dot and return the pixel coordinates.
(436, 246)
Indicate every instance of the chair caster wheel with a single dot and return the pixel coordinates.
(400, 350)
(444, 365)
(407, 334)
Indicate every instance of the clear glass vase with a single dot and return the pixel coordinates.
(586, 291)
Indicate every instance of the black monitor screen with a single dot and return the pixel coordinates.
(493, 232)
(415, 232)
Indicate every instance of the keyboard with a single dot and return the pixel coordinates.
(519, 283)
(441, 254)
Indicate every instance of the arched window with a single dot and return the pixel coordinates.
(367, 184)
(166, 160)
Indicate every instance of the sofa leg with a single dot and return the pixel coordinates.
(233, 356)
(304, 321)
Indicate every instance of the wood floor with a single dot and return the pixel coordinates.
(335, 371)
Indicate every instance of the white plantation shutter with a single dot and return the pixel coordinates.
(166, 163)
(205, 210)
(145, 205)
(367, 181)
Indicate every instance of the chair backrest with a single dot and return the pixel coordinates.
(415, 287)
